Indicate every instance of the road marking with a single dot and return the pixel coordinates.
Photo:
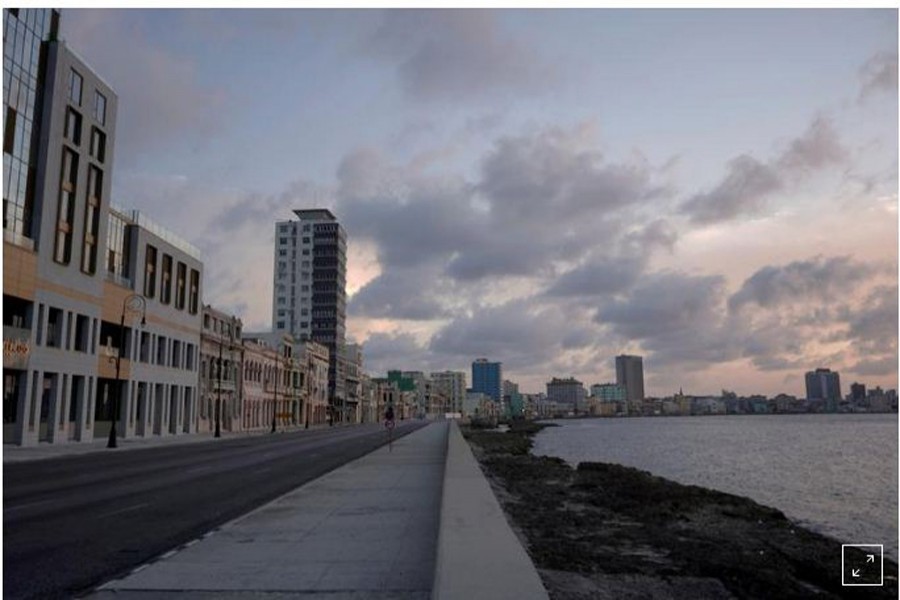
(21, 506)
(124, 510)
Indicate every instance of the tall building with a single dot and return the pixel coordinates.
(487, 378)
(567, 391)
(858, 391)
(309, 297)
(452, 384)
(630, 375)
(824, 384)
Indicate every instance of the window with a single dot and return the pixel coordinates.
(98, 144)
(180, 277)
(195, 291)
(99, 108)
(165, 291)
(306, 252)
(75, 83)
(306, 240)
(282, 241)
(92, 220)
(150, 272)
(66, 208)
(73, 126)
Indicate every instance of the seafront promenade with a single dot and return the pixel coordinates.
(415, 520)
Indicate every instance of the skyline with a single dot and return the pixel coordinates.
(713, 190)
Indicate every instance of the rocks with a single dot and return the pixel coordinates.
(609, 531)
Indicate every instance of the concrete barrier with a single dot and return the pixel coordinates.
(479, 556)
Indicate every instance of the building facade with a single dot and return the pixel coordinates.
(487, 378)
(630, 375)
(824, 385)
(452, 385)
(567, 392)
(309, 297)
(221, 372)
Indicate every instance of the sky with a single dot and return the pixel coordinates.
(714, 190)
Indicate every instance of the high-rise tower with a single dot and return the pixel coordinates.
(487, 378)
(630, 375)
(310, 296)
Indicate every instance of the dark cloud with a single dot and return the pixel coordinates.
(606, 275)
(743, 191)
(400, 294)
(873, 326)
(522, 332)
(879, 74)
(456, 54)
(814, 279)
(678, 319)
(542, 197)
(818, 147)
(748, 183)
(385, 351)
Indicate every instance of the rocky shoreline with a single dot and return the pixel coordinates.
(609, 531)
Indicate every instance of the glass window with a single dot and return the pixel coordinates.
(98, 144)
(150, 272)
(195, 291)
(99, 108)
(75, 83)
(73, 126)
(165, 292)
(180, 277)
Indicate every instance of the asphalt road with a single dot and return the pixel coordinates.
(72, 523)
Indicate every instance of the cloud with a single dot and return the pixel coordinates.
(743, 191)
(160, 98)
(678, 320)
(818, 147)
(748, 183)
(815, 279)
(394, 350)
(400, 294)
(878, 74)
(456, 54)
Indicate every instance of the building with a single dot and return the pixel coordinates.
(101, 306)
(452, 385)
(487, 378)
(353, 373)
(824, 385)
(309, 296)
(609, 392)
(630, 375)
(221, 372)
(314, 389)
(567, 392)
(857, 391)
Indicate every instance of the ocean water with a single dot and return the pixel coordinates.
(835, 474)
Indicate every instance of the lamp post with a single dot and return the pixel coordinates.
(275, 401)
(134, 303)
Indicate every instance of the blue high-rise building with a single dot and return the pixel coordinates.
(487, 378)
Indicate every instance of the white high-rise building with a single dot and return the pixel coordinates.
(309, 296)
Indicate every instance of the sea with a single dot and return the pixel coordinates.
(833, 473)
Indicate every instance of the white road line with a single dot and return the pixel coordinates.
(124, 510)
(21, 506)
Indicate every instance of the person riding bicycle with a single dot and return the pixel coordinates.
(389, 413)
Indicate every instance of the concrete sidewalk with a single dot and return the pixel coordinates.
(366, 530)
(411, 522)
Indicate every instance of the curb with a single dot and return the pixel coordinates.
(478, 555)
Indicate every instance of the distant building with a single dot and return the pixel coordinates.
(568, 392)
(487, 378)
(857, 391)
(452, 385)
(825, 385)
(609, 392)
(630, 375)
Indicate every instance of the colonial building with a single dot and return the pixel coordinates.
(221, 372)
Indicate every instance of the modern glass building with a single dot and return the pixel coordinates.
(487, 378)
(824, 384)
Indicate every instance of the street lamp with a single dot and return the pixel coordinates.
(132, 304)
(275, 401)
